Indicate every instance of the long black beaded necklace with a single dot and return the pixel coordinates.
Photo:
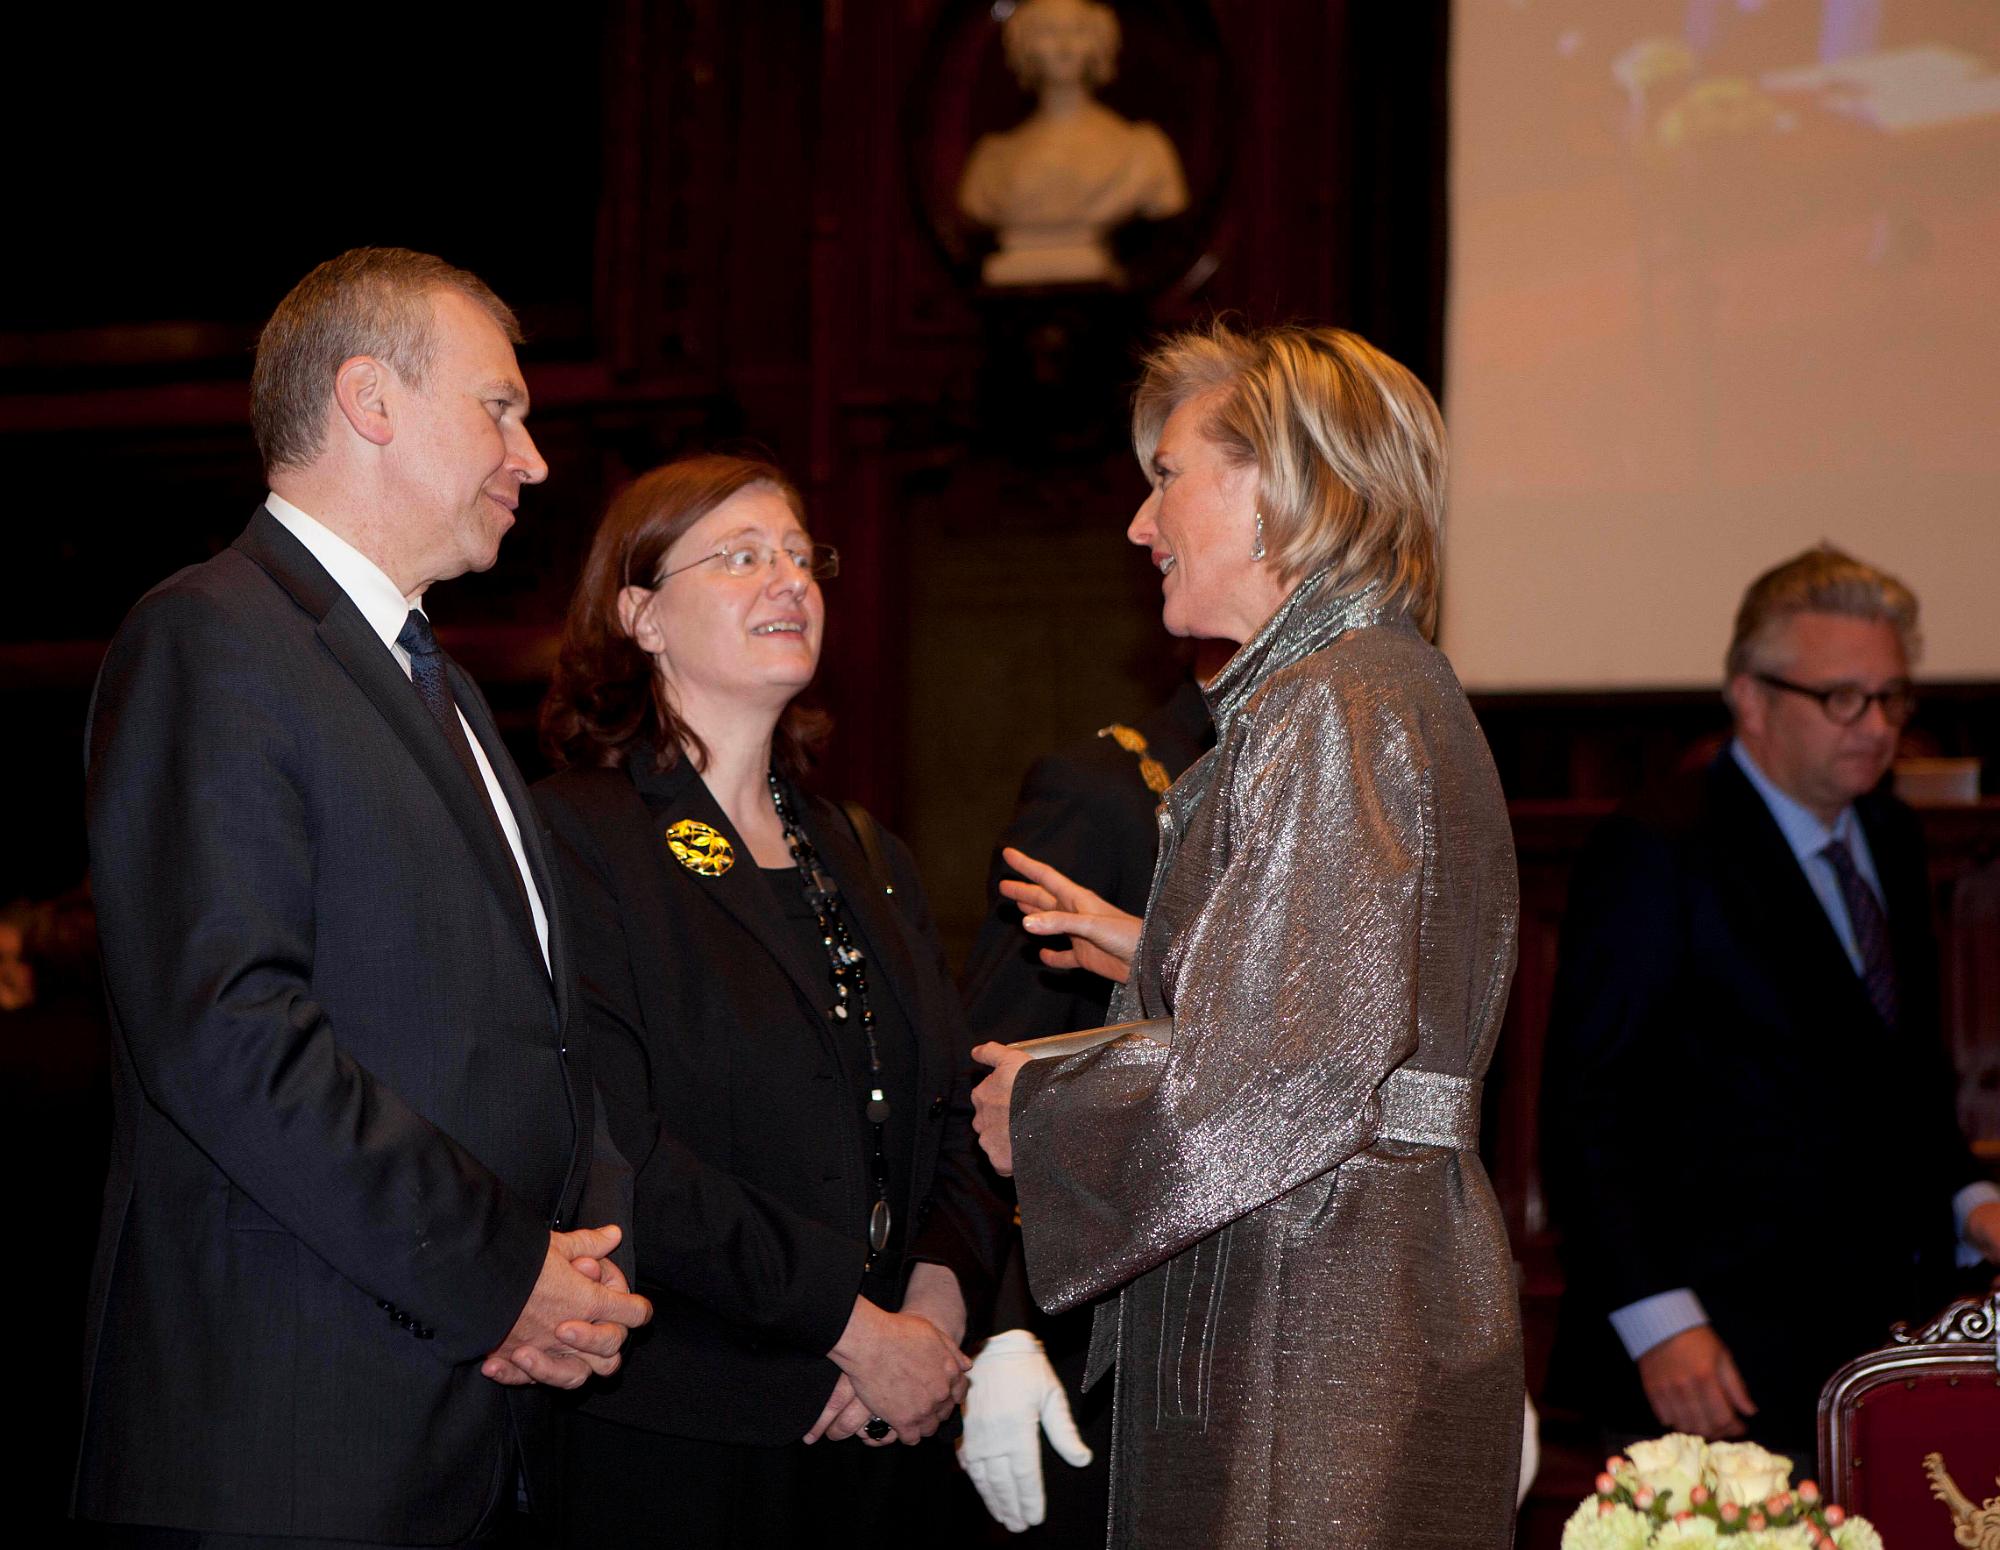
(850, 998)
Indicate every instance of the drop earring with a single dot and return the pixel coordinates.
(1257, 549)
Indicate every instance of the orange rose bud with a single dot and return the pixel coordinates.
(1755, 1521)
(1777, 1503)
(1808, 1492)
(1643, 1497)
(1835, 1515)
(1698, 1495)
(1731, 1512)
(1684, 1516)
(1605, 1509)
(1616, 1462)
(1606, 1485)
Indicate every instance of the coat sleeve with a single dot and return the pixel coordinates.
(699, 1232)
(1291, 987)
(202, 865)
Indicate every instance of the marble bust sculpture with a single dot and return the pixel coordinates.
(1058, 183)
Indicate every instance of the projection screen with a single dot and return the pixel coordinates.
(1725, 283)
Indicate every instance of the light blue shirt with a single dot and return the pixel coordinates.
(1808, 837)
(1644, 1324)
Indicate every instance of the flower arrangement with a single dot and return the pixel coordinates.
(1679, 1491)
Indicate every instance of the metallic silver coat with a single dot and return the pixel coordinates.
(1316, 1331)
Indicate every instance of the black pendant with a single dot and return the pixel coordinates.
(878, 1108)
(879, 1222)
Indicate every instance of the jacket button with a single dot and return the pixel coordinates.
(937, 1108)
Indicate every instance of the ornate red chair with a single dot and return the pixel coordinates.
(1909, 1436)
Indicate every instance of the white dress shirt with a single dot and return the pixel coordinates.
(386, 609)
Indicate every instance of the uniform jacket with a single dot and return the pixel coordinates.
(1317, 1336)
(1088, 812)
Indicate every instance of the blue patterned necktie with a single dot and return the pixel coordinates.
(434, 689)
(1871, 930)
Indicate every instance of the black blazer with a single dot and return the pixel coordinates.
(728, 1090)
(344, 1122)
(1724, 1110)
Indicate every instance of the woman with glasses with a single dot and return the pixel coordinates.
(1307, 1286)
(780, 1050)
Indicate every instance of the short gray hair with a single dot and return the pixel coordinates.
(1349, 448)
(368, 301)
(1823, 580)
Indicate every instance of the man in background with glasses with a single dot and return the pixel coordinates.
(1750, 1145)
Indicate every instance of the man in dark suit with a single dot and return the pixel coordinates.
(1750, 1145)
(340, 1232)
(1088, 811)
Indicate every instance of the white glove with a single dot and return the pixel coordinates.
(1015, 1396)
(1531, 1449)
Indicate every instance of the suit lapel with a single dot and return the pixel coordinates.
(872, 915)
(1779, 903)
(376, 674)
(534, 838)
(739, 892)
(1906, 900)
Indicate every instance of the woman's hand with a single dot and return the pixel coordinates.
(1102, 937)
(993, 1104)
(901, 1367)
(933, 1294)
(842, 1416)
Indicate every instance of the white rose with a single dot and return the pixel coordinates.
(1797, 1537)
(1857, 1534)
(1745, 1474)
(1671, 1463)
(1591, 1528)
(1694, 1534)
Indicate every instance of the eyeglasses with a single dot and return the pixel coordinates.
(750, 556)
(1844, 704)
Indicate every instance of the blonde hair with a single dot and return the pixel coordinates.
(1823, 580)
(1349, 448)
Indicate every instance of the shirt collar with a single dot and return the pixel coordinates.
(367, 586)
(1802, 827)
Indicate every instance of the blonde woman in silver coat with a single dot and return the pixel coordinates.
(1314, 1321)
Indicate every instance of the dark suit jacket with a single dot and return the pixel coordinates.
(1086, 811)
(344, 1120)
(737, 1102)
(1724, 1110)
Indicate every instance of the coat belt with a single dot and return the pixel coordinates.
(1430, 1109)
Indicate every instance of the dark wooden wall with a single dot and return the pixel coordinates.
(723, 221)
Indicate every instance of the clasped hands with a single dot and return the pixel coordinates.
(1102, 939)
(904, 1367)
(576, 1318)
